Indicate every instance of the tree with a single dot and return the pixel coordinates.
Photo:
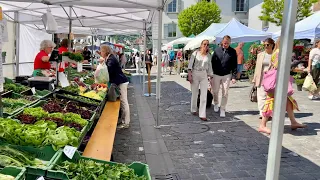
(198, 17)
(272, 10)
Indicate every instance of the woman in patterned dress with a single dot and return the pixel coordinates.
(269, 103)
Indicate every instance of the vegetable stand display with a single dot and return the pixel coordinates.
(42, 124)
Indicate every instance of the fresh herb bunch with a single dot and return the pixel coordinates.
(90, 170)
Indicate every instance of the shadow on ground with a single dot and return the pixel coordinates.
(222, 148)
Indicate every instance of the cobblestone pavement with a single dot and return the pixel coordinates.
(128, 145)
(231, 148)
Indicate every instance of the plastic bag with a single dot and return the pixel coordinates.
(309, 84)
(101, 75)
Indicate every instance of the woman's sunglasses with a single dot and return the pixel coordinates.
(267, 45)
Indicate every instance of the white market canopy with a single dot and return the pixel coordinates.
(110, 17)
(196, 42)
(182, 40)
(241, 33)
(308, 28)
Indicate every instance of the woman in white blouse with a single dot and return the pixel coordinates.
(199, 70)
(262, 65)
(314, 67)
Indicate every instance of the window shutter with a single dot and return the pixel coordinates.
(246, 5)
(165, 31)
(179, 7)
(233, 5)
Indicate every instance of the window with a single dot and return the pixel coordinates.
(172, 6)
(172, 30)
(240, 5)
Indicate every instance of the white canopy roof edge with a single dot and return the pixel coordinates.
(308, 28)
(115, 20)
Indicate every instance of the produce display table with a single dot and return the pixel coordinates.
(100, 144)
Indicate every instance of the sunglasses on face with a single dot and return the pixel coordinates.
(205, 44)
(267, 45)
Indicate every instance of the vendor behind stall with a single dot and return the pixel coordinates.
(41, 61)
(63, 48)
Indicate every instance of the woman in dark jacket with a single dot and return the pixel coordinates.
(117, 77)
(148, 61)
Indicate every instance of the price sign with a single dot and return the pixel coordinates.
(41, 178)
(33, 90)
(69, 151)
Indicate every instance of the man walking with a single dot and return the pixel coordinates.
(240, 58)
(224, 66)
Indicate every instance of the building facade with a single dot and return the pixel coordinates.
(229, 9)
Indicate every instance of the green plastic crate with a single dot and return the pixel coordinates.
(46, 154)
(140, 169)
(18, 173)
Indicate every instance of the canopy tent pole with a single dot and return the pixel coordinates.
(158, 91)
(69, 38)
(283, 72)
(144, 58)
(92, 51)
(17, 29)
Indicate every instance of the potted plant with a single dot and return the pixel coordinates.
(4, 54)
(299, 80)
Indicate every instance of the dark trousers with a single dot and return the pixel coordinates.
(315, 75)
(148, 66)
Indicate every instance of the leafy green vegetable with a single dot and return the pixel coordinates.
(10, 105)
(76, 118)
(63, 136)
(14, 87)
(72, 88)
(6, 177)
(37, 112)
(91, 170)
(83, 99)
(20, 158)
(40, 134)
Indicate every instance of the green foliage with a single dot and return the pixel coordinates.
(272, 10)
(198, 17)
(74, 56)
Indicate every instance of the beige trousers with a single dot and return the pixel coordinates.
(199, 78)
(224, 81)
(125, 116)
(261, 96)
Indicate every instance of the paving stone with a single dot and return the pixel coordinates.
(231, 146)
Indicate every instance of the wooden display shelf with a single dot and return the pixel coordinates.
(100, 144)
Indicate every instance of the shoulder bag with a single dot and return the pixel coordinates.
(193, 63)
(253, 94)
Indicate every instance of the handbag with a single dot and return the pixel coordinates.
(309, 84)
(270, 79)
(253, 94)
(113, 92)
(192, 64)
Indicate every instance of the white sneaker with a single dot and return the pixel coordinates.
(222, 113)
(216, 108)
(312, 97)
